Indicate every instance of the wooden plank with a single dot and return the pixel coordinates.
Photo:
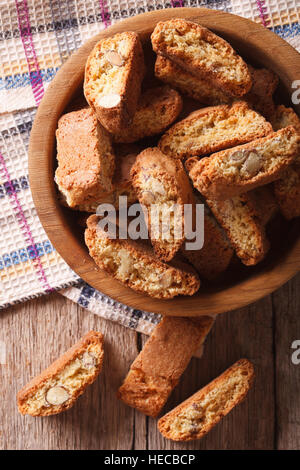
(286, 305)
(36, 333)
(243, 333)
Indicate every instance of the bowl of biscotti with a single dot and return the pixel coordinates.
(164, 162)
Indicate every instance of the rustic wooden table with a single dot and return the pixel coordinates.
(36, 332)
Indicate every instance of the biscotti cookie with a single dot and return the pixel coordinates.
(240, 169)
(112, 83)
(215, 128)
(159, 366)
(162, 184)
(197, 415)
(157, 109)
(287, 192)
(122, 184)
(57, 388)
(198, 88)
(284, 117)
(241, 219)
(136, 266)
(202, 53)
(260, 97)
(287, 188)
(216, 253)
(85, 158)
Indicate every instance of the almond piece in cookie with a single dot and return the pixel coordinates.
(157, 369)
(197, 415)
(85, 158)
(136, 266)
(240, 169)
(162, 187)
(241, 219)
(215, 255)
(57, 388)
(202, 53)
(197, 88)
(212, 129)
(112, 83)
(157, 109)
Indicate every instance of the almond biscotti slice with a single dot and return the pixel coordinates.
(157, 369)
(113, 75)
(163, 188)
(136, 266)
(260, 97)
(216, 253)
(198, 88)
(215, 128)
(85, 158)
(287, 192)
(157, 109)
(241, 219)
(57, 388)
(284, 117)
(202, 53)
(240, 169)
(197, 415)
(287, 188)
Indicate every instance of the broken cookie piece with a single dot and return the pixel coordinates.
(57, 388)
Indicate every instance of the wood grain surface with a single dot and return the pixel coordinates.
(258, 45)
(37, 332)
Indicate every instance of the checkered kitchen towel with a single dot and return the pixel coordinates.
(36, 37)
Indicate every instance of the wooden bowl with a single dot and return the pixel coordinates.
(241, 285)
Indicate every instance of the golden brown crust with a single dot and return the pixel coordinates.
(94, 340)
(214, 128)
(199, 89)
(159, 366)
(100, 79)
(203, 54)
(215, 255)
(135, 265)
(157, 109)
(160, 181)
(260, 97)
(242, 221)
(85, 158)
(191, 410)
(234, 171)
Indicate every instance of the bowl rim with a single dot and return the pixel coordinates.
(43, 189)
